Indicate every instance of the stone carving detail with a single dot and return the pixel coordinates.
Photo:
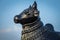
(32, 26)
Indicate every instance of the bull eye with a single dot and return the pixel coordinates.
(35, 14)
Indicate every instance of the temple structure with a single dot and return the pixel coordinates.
(33, 27)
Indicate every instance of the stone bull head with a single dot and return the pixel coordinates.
(28, 15)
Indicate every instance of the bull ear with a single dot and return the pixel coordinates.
(34, 6)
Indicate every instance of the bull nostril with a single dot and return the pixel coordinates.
(16, 19)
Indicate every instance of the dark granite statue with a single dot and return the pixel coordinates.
(32, 26)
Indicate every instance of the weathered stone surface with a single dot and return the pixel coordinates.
(33, 28)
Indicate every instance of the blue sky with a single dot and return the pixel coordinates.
(49, 13)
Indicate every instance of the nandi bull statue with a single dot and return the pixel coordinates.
(32, 26)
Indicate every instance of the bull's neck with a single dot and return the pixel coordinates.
(27, 28)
